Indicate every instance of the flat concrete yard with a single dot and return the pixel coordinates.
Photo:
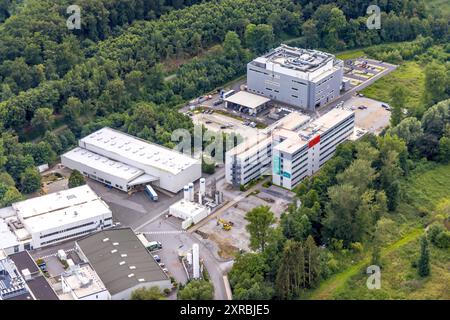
(229, 242)
(135, 210)
(374, 118)
(214, 122)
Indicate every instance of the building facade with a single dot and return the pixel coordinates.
(299, 77)
(291, 149)
(55, 217)
(298, 156)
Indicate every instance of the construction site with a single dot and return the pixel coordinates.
(227, 230)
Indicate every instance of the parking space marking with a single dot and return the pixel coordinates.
(55, 254)
(165, 232)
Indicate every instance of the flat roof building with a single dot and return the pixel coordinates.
(190, 212)
(53, 218)
(300, 77)
(37, 285)
(291, 149)
(247, 102)
(122, 262)
(80, 282)
(123, 161)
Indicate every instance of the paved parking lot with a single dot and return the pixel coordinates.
(132, 211)
(374, 118)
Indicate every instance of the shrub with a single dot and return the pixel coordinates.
(356, 246)
(434, 230)
(443, 240)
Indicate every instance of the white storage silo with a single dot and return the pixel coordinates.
(186, 193)
(191, 192)
(203, 186)
(195, 261)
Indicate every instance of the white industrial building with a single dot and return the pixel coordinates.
(246, 102)
(52, 218)
(291, 149)
(187, 209)
(125, 162)
(80, 282)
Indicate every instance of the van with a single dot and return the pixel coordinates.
(154, 245)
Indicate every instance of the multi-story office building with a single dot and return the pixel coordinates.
(300, 77)
(298, 154)
(291, 149)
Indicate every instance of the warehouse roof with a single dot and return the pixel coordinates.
(137, 150)
(41, 289)
(73, 214)
(60, 208)
(247, 99)
(103, 164)
(7, 238)
(120, 259)
(54, 201)
(23, 261)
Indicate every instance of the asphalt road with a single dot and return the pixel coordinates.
(173, 240)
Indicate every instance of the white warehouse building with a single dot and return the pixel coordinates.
(54, 218)
(291, 149)
(124, 162)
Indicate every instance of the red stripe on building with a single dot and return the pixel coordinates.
(314, 141)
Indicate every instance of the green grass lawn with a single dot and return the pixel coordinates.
(423, 190)
(410, 74)
(350, 54)
(438, 6)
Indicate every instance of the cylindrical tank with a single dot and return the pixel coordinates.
(217, 197)
(196, 261)
(202, 186)
(191, 192)
(200, 197)
(186, 193)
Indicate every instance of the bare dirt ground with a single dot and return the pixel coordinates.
(374, 118)
(231, 241)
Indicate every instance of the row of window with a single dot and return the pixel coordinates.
(345, 129)
(298, 163)
(66, 230)
(69, 236)
(323, 137)
(254, 169)
(257, 71)
(299, 177)
(333, 147)
(303, 84)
